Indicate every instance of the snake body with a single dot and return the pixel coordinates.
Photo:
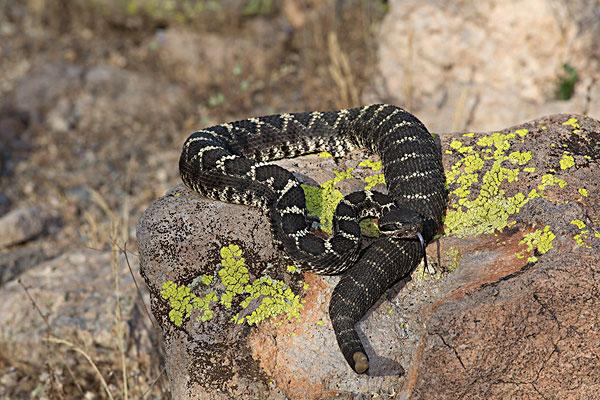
(231, 162)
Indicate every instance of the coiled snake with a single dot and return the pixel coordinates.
(230, 162)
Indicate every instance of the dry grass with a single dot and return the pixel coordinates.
(325, 63)
(106, 372)
(340, 71)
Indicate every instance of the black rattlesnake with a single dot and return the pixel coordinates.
(229, 162)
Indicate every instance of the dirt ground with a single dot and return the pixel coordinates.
(97, 97)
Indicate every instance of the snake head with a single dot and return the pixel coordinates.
(401, 222)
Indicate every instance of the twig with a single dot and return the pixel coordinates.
(137, 287)
(35, 305)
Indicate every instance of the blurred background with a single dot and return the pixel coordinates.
(97, 97)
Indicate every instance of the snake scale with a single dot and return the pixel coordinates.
(231, 162)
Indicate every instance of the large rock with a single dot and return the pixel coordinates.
(509, 313)
(488, 64)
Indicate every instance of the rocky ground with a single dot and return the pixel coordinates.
(96, 99)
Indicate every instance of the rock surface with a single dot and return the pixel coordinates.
(499, 319)
(76, 293)
(488, 64)
(22, 224)
(15, 261)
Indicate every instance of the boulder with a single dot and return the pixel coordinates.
(488, 64)
(510, 310)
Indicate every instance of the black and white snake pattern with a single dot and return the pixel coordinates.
(231, 162)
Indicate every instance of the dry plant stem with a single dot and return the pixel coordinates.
(341, 72)
(160, 374)
(35, 305)
(137, 287)
(115, 230)
(79, 350)
(119, 318)
(50, 339)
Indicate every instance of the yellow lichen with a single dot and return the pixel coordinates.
(182, 302)
(583, 191)
(572, 122)
(233, 273)
(374, 180)
(373, 165)
(455, 256)
(206, 279)
(491, 208)
(270, 297)
(583, 235)
(567, 161)
(522, 132)
(321, 201)
(539, 240)
(276, 298)
(292, 269)
(455, 144)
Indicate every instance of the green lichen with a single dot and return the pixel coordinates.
(292, 269)
(488, 208)
(271, 297)
(522, 132)
(206, 279)
(551, 180)
(373, 165)
(572, 122)
(182, 302)
(583, 235)
(275, 298)
(267, 296)
(567, 161)
(539, 241)
(234, 274)
(321, 201)
(520, 157)
(455, 256)
(374, 180)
